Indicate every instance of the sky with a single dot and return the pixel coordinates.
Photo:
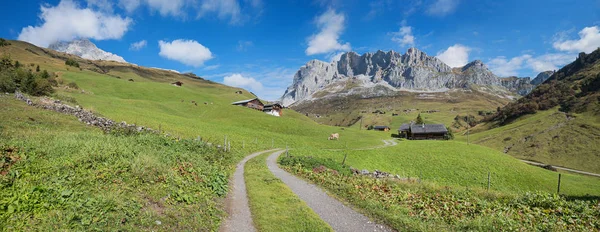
(260, 44)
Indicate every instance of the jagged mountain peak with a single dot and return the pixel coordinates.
(84, 48)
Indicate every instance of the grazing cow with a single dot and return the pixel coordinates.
(205, 103)
(196, 104)
(335, 136)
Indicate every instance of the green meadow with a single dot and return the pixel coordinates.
(59, 173)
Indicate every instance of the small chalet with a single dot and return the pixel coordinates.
(423, 131)
(381, 128)
(251, 103)
(274, 109)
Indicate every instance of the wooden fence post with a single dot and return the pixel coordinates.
(558, 189)
(344, 161)
(488, 187)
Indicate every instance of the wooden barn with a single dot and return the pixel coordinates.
(274, 109)
(381, 128)
(423, 131)
(251, 103)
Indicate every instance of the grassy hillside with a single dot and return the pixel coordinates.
(151, 100)
(68, 176)
(435, 107)
(458, 164)
(558, 123)
(551, 137)
(57, 173)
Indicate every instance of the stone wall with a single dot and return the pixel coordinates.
(84, 116)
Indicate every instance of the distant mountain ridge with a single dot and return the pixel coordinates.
(381, 73)
(84, 48)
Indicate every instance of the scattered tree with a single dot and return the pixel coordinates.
(419, 119)
(72, 62)
(450, 134)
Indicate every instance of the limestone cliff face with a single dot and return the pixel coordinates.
(412, 71)
(542, 77)
(383, 73)
(521, 86)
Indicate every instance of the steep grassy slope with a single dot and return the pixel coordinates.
(549, 137)
(57, 173)
(558, 123)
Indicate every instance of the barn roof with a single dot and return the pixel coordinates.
(244, 101)
(404, 127)
(428, 128)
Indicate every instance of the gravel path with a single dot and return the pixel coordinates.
(336, 214)
(386, 143)
(561, 168)
(236, 203)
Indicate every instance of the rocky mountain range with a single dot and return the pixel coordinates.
(85, 49)
(383, 73)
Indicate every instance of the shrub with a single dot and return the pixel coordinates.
(312, 163)
(450, 134)
(3, 42)
(73, 85)
(72, 62)
(7, 82)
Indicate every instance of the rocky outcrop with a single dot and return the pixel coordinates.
(85, 49)
(414, 70)
(519, 85)
(542, 77)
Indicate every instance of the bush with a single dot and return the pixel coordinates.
(312, 163)
(73, 85)
(3, 42)
(450, 135)
(7, 82)
(72, 62)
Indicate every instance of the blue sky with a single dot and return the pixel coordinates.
(260, 44)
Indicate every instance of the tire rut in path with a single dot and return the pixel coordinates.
(239, 218)
(336, 214)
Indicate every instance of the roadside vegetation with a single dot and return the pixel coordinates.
(413, 206)
(57, 173)
(274, 206)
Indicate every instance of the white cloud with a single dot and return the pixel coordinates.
(129, 5)
(503, 66)
(331, 25)
(223, 8)
(138, 45)
(163, 7)
(68, 21)
(455, 56)
(240, 81)
(552, 61)
(589, 40)
(211, 67)
(104, 5)
(335, 56)
(188, 52)
(404, 36)
(442, 7)
(244, 45)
